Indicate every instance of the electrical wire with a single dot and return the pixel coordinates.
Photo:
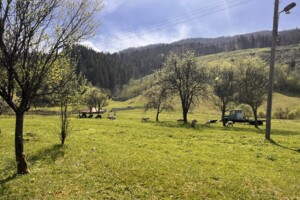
(174, 21)
(193, 15)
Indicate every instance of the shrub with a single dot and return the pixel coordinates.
(261, 114)
(294, 115)
(246, 110)
(281, 113)
(291, 116)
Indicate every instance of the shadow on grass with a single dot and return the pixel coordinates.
(284, 132)
(241, 128)
(172, 124)
(259, 130)
(290, 94)
(246, 128)
(279, 145)
(281, 132)
(50, 154)
(10, 178)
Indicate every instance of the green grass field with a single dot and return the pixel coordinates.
(129, 159)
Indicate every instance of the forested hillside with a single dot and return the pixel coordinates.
(287, 69)
(112, 71)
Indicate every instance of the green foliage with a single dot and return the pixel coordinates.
(246, 110)
(127, 159)
(224, 82)
(69, 89)
(287, 78)
(4, 108)
(159, 98)
(135, 88)
(243, 81)
(281, 113)
(284, 55)
(96, 98)
(112, 71)
(185, 77)
(252, 83)
(286, 113)
(34, 34)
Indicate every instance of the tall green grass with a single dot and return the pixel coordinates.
(130, 159)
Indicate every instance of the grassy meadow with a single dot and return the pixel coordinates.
(129, 159)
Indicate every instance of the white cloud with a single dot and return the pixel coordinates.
(90, 45)
(112, 5)
(123, 41)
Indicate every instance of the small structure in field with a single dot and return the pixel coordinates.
(89, 113)
(194, 122)
(145, 119)
(111, 117)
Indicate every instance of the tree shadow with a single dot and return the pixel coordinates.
(9, 178)
(50, 154)
(281, 132)
(279, 145)
(284, 132)
(199, 127)
(245, 129)
(170, 124)
(290, 94)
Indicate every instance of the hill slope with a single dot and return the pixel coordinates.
(286, 57)
(112, 71)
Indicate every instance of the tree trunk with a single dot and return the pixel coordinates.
(19, 147)
(184, 112)
(255, 117)
(157, 113)
(223, 115)
(63, 136)
(64, 120)
(184, 109)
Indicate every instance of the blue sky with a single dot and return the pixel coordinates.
(134, 23)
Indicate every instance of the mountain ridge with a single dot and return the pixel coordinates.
(112, 71)
(203, 40)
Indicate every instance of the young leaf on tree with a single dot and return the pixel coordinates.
(253, 83)
(32, 35)
(183, 75)
(224, 84)
(159, 98)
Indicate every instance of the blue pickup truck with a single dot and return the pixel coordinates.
(238, 116)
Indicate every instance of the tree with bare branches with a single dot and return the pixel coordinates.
(33, 34)
(96, 98)
(69, 88)
(159, 98)
(185, 76)
(253, 83)
(224, 84)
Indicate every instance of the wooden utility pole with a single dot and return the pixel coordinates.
(271, 73)
(272, 62)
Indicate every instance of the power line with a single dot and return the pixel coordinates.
(175, 21)
(195, 14)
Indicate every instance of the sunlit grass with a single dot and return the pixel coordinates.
(130, 159)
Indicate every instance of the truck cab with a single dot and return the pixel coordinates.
(235, 116)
